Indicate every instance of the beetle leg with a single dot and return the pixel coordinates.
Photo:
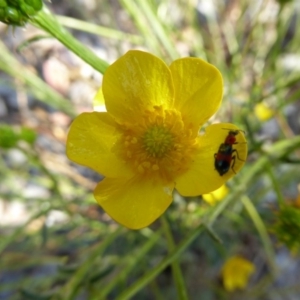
(237, 154)
(232, 166)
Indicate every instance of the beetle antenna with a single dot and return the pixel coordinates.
(239, 130)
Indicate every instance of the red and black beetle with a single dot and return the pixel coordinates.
(225, 158)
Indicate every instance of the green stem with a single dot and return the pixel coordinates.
(262, 231)
(134, 10)
(128, 264)
(20, 230)
(37, 87)
(99, 30)
(274, 183)
(139, 284)
(177, 274)
(69, 291)
(158, 28)
(45, 20)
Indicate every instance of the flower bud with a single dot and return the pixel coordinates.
(17, 12)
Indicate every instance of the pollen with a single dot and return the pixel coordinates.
(161, 146)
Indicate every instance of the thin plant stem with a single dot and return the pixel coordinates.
(71, 288)
(46, 21)
(274, 183)
(99, 30)
(261, 228)
(137, 15)
(176, 270)
(10, 65)
(129, 264)
(158, 28)
(147, 278)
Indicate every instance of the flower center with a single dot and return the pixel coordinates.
(157, 141)
(160, 146)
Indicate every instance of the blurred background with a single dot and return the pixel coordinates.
(57, 243)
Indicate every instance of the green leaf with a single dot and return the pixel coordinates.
(28, 135)
(8, 137)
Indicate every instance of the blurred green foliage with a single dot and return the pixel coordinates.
(9, 137)
(287, 227)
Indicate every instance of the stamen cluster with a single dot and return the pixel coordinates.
(160, 146)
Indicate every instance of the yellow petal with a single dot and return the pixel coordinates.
(236, 272)
(133, 203)
(202, 177)
(263, 112)
(198, 88)
(98, 102)
(135, 82)
(89, 143)
(216, 196)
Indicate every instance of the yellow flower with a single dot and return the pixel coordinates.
(216, 196)
(148, 141)
(236, 272)
(263, 112)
